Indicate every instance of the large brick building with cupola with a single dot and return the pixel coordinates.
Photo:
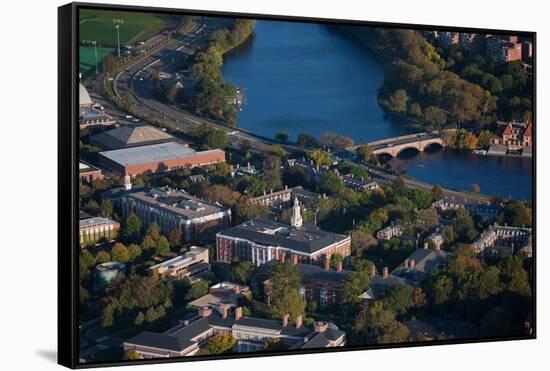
(263, 240)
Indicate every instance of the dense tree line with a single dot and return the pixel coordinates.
(417, 84)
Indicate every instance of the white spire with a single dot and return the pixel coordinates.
(296, 218)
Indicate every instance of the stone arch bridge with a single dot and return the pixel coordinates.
(393, 146)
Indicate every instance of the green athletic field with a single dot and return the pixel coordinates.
(98, 25)
(87, 58)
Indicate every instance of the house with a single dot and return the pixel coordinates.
(283, 199)
(389, 232)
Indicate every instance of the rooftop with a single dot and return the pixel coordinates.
(150, 153)
(131, 135)
(180, 260)
(83, 96)
(179, 202)
(307, 239)
(95, 221)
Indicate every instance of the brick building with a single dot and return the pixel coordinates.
(88, 173)
(263, 240)
(157, 158)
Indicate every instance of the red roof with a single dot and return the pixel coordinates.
(508, 130)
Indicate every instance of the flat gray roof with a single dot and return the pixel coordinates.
(147, 154)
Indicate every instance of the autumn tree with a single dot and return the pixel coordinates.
(285, 292)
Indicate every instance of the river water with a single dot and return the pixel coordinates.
(307, 78)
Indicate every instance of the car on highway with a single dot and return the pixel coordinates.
(136, 120)
(129, 117)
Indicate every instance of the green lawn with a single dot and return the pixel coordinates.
(87, 58)
(98, 25)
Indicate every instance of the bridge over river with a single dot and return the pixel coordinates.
(393, 146)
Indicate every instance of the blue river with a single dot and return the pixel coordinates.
(307, 78)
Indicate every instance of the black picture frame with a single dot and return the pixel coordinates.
(68, 211)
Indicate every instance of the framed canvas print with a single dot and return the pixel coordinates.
(238, 185)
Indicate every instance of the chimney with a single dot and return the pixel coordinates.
(294, 259)
(327, 263)
(412, 264)
(286, 187)
(237, 289)
(285, 320)
(205, 311)
(385, 272)
(320, 326)
(248, 165)
(339, 267)
(373, 270)
(406, 263)
(238, 313)
(425, 245)
(299, 321)
(224, 311)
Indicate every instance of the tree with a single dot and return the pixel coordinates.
(120, 253)
(107, 316)
(134, 251)
(360, 242)
(365, 152)
(488, 283)
(272, 173)
(210, 137)
(484, 139)
(331, 184)
(336, 259)
(437, 192)
(320, 157)
(242, 272)
(162, 246)
(175, 238)
(147, 243)
(400, 298)
(106, 208)
(442, 290)
(102, 257)
(398, 101)
(463, 226)
(335, 141)
(197, 289)
(285, 292)
(277, 151)
(415, 109)
(435, 117)
(514, 276)
(355, 285)
(154, 231)
(281, 136)
(307, 141)
(219, 344)
(132, 227)
(109, 64)
(516, 214)
(474, 188)
(140, 318)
